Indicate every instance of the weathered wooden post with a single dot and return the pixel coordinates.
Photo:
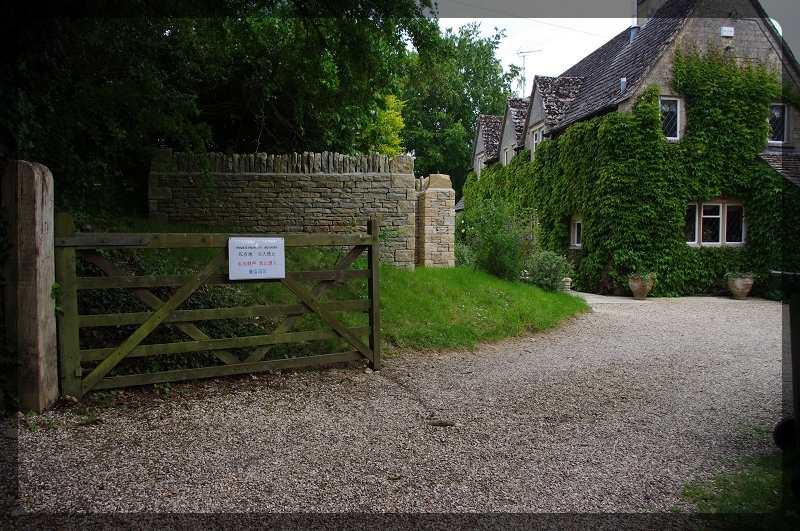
(375, 293)
(27, 198)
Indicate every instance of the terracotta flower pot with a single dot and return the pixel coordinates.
(740, 286)
(640, 287)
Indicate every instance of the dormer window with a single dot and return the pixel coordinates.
(670, 117)
(536, 136)
(777, 122)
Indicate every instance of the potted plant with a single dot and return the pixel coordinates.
(641, 282)
(740, 283)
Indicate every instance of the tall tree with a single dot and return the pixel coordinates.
(449, 86)
(92, 97)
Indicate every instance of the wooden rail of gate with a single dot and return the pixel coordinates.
(84, 369)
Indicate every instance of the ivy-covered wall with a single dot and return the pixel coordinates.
(631, 186)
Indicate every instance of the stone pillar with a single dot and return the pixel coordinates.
(436, 222)
(27, 197)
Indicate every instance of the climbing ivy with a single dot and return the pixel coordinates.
(630, 185)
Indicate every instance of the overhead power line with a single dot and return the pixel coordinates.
(509, 15)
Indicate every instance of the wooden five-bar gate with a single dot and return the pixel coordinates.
(83, 369)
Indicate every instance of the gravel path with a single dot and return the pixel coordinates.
(611, 412)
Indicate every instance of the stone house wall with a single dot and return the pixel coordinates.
(751, 41)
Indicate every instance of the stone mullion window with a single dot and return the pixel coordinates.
(715, 223)
(690, 224)
(575, 232)
(734, 224)
(711, 223)
(670, 118)
(777, 122)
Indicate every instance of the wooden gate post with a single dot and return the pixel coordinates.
(27, 197)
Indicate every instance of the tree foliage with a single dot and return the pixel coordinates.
(92, 91)
(449, 85)
(383, 136)
(92, 95)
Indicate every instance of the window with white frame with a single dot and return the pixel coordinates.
(537, 136)
(777, 122)
(576, 225)
(505, 156)
(670, 118)
(690, 223)
(718, 222)
(478, 164)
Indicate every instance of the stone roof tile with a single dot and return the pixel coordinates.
(518, 107)
(557, 94)
(787, 164)
(601, 71)
(491, 127)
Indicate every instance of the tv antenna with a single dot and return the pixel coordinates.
(523, 79)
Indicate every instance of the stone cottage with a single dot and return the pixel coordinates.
(631, 168)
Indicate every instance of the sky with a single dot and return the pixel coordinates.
(546, 37)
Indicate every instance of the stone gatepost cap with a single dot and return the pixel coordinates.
(439, 180)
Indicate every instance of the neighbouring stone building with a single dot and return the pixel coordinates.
(611, 77)
(513, 129)
(487, 141)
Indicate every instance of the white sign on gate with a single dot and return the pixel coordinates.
(256, 258)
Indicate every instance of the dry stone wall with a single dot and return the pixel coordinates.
(303, 193)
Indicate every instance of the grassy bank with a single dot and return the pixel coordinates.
(459, 308)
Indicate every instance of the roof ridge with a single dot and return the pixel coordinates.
(622, 57)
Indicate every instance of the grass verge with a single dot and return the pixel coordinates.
(754, 493)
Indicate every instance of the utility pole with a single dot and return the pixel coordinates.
(523, 79)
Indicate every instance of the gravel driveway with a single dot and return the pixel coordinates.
(614, 411)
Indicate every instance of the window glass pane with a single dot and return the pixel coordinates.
(711, 223)
(777, 119)
(690, 224)
(734, 224)
(669, 117)
(577, 233)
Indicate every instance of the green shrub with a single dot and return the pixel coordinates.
(495, 239)
(464, 256)
(547, 270)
